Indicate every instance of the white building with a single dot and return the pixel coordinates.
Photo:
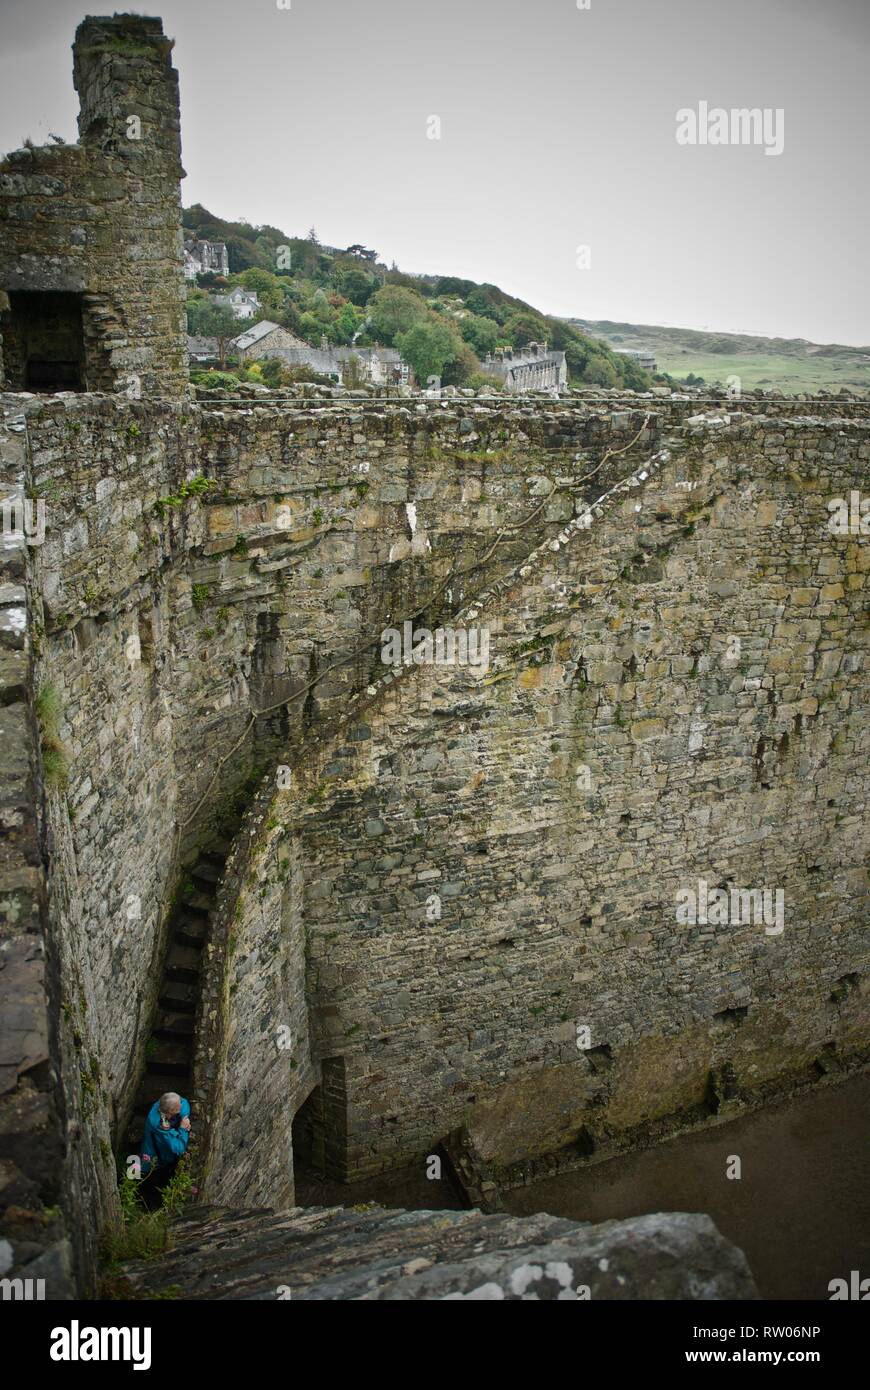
(244, 303)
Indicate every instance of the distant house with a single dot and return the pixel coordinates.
(532, 368)
(203, 256)
(244, 303)
(643, 359)
(379, 365)
(202, 349)
(266, 339)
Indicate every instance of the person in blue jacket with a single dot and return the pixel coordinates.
(165, 1139)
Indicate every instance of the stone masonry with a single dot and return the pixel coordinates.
(438, 877)
(91, 233)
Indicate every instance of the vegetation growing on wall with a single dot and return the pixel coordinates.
(55, 762)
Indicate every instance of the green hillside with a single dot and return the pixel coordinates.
(792, 365)
(442, 325)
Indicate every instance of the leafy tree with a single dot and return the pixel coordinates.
(355, 284)
(208, 320)
(487, 300)
(271, 370)
(450, 285)
(291, 319)
(633, 376)
(310, 329)
(346, 323)
(483, 334)
(462, 365)
(262, 282)
(394, 310)
(601, 371)
(428, 346)
(482, 379)
(241, 253)
(523, 328)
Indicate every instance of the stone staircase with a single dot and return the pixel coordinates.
(372, 1254)
(169, 1051)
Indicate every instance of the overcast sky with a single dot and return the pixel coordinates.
(558, 130)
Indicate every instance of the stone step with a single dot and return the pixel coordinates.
(170, 1053)
(177, 997)
(184, 936)
(206, 873)
(181, 975)
(193, 923)
(182, 957)
(170, 1024)
(198, 902)
(176, 1064)
(217, 853)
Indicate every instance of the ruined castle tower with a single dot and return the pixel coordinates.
(91, 283)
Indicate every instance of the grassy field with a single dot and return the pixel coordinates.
(791, 365)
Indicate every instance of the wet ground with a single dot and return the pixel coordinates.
(800, 1210)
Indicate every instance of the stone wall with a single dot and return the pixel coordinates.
(208, 602)
(167, 619)
(253, 1030)
(740, 764)
(57, 1181)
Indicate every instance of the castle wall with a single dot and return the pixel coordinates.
(740, 766)
(57, 1176)
(206, 605)
(164, 622)
(102, 219)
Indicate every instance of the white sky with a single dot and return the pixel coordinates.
(558, 130)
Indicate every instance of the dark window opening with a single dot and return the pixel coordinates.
(43, 342)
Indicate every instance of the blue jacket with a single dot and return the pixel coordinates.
(163, 1146)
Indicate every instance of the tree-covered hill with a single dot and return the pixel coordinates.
(442, 325)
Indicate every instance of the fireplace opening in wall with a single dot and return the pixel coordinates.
(43, 341)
